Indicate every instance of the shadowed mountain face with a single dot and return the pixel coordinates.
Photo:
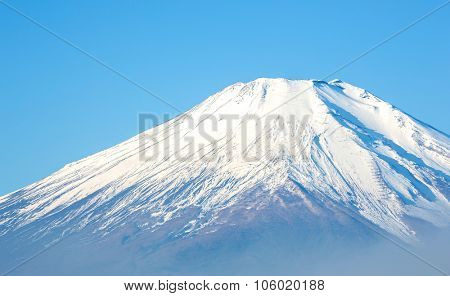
(268, 177)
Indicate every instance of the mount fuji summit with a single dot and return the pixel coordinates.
(269, 177)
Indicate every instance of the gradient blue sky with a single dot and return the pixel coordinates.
(57, 105)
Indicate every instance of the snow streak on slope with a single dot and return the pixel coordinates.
(351, 149)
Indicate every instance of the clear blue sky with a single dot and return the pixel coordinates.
(57, 105)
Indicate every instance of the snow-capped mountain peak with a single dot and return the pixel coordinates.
(324, 145)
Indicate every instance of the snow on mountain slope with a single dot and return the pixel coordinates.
(323, 143)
